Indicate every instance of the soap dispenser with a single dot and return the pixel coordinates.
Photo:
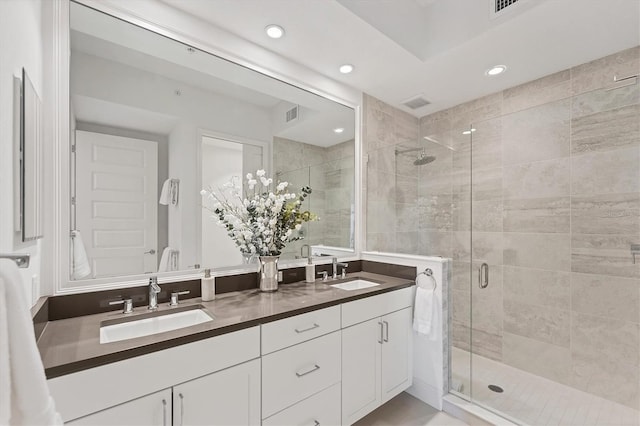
(208, 286)
(310, 271)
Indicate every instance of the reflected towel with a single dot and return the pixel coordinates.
(165, 194)
(425, 313)
(169, 260)
(23, 384)
(81, 266)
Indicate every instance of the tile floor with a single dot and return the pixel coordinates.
(404, 409)
(534, 400)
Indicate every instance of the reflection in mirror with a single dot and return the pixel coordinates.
(153, 121)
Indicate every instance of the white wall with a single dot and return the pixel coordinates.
(21, 45)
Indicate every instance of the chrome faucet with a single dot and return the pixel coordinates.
(154, 289)
(335, 264)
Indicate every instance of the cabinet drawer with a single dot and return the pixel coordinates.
(296, 373)
(364, 309)
(300, 328)
(322, 408)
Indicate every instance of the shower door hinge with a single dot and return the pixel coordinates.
(73, 148)
(73, 201)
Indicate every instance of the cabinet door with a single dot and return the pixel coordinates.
(154, 409)
(396, 353)
(361, 345)
(228, 397)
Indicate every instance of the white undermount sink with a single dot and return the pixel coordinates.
(355, 285)
(116, 330)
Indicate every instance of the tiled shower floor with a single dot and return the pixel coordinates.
(534, 400)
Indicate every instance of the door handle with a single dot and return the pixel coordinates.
(386, 331)
(181, 408)
(164, 412)
(152, 251)
(316, 367)
(381, 333)
(313, 327)
(483, 276)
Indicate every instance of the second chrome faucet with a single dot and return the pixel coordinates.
(154, 289)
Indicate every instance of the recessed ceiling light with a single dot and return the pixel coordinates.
(346, 68)
(468, 132)
(495, 70)
(339, 129)
(274, 31)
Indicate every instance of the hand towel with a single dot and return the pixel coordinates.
(169, 260)
(30, 400)
(165, 194)
(81, 267)
(423, 311)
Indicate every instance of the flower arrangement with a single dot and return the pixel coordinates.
(262, 222)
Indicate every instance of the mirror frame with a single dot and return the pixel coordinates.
(162, 19)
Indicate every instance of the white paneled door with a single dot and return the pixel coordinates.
(117, 203)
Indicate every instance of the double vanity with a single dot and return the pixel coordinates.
(320, 353)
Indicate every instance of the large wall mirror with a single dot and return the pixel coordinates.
(154, 121)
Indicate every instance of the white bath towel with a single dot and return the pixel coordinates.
(81, 267)
(30, 402)
(169, 260)
(425, 313)
(165, 194)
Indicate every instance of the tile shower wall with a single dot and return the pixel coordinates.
(329, 173)
(556, 206)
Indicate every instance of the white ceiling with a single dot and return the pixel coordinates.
(440, 48)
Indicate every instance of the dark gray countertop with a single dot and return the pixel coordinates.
(70, 345)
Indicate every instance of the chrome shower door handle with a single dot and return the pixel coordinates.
(483, 276)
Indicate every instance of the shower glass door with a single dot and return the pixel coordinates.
(552, 193)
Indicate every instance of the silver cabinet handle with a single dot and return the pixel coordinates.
(483, 276)
(181, 408)
(381, 333)
(316, 367)
(164, 412)
(314, 326)
(386, 333)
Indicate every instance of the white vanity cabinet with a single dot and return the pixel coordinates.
(150, 410)
(376, 352)
(226, 398)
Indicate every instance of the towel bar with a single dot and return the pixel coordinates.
(22, 260)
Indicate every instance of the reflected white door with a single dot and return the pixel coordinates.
(117, 203)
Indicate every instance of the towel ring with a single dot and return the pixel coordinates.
(429, 273)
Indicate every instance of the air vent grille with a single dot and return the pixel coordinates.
(501, 4)
(416, 102)
(292, 114)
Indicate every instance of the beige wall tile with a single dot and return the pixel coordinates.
(598, 74)
(542, 179)
(606, 296)
(607, 130)
(537, 322)
(604, 100)
(487, 344)
(435, 243)
(407, 216)
(537, 287)
(606, 172)
(407, 127)
(537, 92)
(550, 361)
(407, 189)
(381, 241)
(540, 251)
(382, 160)
(487, 247)
(549, 215)
(612, 340)
(461, 277)
(535, 134)
(435, 213)
(461, 302)
(407, 242)
(487, 184)
(606, 214)
(604, 254)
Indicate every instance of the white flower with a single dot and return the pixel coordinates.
(281, 186)
(249, 176)
(203, 192)
(298, 226)
(260, 173)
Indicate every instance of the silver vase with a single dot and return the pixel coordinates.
(268, 277)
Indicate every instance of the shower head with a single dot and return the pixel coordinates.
(424, 159)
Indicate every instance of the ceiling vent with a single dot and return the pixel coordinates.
(497, 7)
(292, 114)
(416, 102)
